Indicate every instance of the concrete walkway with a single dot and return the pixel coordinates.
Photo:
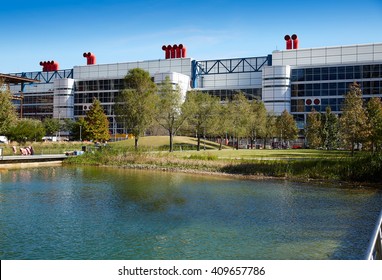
(11, 162)
(33, 158)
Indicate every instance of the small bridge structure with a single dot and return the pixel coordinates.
(375, 248)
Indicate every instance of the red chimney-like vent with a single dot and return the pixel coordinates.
(175, 51)
(90, 58)
(291, 42)
(295, 41)
(288, 42)
(49, 66)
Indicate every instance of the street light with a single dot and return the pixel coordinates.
(80, 133)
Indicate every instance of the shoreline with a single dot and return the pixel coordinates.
(321, 182)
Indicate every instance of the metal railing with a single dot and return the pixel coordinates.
(375, 248)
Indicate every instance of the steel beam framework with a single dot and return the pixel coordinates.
(228, 66)
(46, 77)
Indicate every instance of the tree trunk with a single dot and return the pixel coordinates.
(198, 147)
(136, 143)
(221, 144)
(237, 143)
(171, 142)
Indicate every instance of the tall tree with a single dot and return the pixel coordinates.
(354, 124)
(239, 111)
(374, 113)
(220, 123)
(135, 106)
(329, 135)
(171, 113)
(257, 120)
(96, 123)
(8, 116)
(286, 127)
(270, 129)
(313, 129)
(202, 108)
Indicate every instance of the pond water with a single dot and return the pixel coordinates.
(109, 213)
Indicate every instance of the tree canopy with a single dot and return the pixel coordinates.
(96, 123)
(172, 112)
(135, 106)
(374, 113)
(313, 129)
(286, 126)
(354, 123)
(26, 130)
(257, 120)
(8, 116)
(239, 109)
(51, 125)
(202, 107)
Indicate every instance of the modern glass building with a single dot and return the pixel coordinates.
(294, 79)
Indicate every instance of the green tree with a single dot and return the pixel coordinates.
(8, 116)
(202, 107)
(329, 135)
(239, 110)
(353, 122)
(135, 106)
(257, 121)
(270, 128)
(313, 129)
(26, 130)
(286, 127)
(51, 125)
(96, 123)
(220, 123)
(170, 114)
(374, 113)
(75, 128)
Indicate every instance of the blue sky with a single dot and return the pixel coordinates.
(123, 31)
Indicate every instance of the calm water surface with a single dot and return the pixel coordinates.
(105, 213)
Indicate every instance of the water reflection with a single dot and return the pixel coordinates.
(106, 213)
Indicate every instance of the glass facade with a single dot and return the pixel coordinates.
(227, 94)
(37, 105)
(328, 85)
(104, 90)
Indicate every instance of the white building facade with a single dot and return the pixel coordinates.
(295, 80)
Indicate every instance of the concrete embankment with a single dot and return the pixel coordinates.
(15, 162)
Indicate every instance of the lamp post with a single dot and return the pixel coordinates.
(80, 133)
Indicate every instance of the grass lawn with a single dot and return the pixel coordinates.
(293, 163)
(185, 147)
(267, 154)
(162, 143)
